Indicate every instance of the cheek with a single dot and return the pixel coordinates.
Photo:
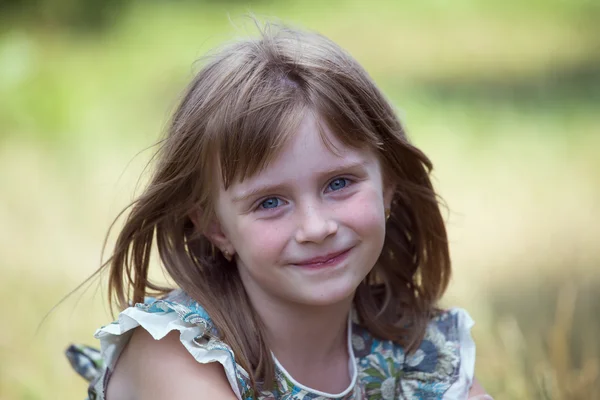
(263, 242)
(364, 213)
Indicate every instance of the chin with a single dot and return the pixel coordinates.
(329, 296)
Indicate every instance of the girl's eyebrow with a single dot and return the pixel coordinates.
(262, 189)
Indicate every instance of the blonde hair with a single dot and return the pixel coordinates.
(233, 119)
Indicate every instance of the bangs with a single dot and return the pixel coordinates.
(254, 129)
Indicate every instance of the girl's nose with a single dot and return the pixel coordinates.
(315, 226)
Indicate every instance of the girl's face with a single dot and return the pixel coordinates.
(308, 228)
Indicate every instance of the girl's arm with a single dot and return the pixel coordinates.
(164, 370)
(477, 392)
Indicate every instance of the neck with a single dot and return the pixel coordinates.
(310, 342)
(311, 333)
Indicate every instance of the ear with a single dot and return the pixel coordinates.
(388, 195)
(214, 232)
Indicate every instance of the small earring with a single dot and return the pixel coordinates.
(388, 212)
(227, 255)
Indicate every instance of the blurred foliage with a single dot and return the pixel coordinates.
(503, 96)
(77, 15)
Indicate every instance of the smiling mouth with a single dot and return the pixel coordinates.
(328, 260)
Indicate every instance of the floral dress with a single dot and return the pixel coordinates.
(441, 368)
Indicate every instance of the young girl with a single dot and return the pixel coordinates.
(303, 234)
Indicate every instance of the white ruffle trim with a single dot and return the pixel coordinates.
(115, 336)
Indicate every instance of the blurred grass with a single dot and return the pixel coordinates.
(503, 96)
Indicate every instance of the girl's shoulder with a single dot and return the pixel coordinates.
(441, 367)
(158, 317)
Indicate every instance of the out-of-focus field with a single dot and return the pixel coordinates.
(503, 96)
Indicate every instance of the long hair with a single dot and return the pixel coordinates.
(234, 117)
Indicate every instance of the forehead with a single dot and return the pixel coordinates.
(314, 139)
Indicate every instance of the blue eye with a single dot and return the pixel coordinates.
(338, 184)
(271, 202)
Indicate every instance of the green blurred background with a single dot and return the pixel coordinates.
(504, 96)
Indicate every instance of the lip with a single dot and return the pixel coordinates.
(324, 261)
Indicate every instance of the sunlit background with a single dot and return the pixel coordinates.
(504, 96)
